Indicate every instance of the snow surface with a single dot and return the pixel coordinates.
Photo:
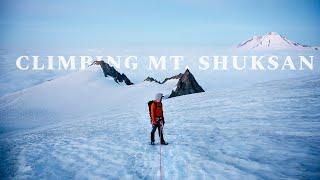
(86, 126)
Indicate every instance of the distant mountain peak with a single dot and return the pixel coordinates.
(272, 41)
(111, 71)
(187, 84)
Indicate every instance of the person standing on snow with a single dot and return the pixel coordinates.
(157, 119)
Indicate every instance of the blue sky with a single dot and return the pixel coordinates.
(95, 24)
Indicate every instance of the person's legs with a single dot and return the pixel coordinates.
(160, 131)
(154, 128)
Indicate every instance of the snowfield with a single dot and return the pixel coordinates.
(85, 126)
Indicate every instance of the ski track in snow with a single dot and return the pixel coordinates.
(269, 131)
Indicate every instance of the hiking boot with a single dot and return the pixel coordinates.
(164, 143)
(152, 143)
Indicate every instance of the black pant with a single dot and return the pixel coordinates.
(154, 128)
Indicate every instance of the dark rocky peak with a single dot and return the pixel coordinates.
(187, 84)
(112, 72)
(151, 79)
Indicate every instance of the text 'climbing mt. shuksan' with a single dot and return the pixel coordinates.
(273, 41)
(187, 84)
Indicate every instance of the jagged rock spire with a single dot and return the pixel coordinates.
(187, 84)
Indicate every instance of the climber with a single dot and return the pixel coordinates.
(157, 119)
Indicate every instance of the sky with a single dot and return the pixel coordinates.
(102, 23)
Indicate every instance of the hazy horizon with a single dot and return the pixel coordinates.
(99, 24)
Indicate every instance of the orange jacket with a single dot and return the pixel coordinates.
(156, 112)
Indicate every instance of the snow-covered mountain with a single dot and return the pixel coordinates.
(273, 41)
(76, 94)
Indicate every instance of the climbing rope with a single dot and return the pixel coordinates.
(161, 173)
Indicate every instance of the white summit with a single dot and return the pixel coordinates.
(273, 41)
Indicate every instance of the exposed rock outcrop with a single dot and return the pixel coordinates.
(111, 71)
(187, 84)
(173, 77)
(151, 79)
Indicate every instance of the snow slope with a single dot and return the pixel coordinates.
(77, 94)
(272, 41)
(85, 126)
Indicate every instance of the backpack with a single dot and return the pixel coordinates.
(149, 105)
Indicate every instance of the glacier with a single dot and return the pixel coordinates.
(86, 127)
(81, 125)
